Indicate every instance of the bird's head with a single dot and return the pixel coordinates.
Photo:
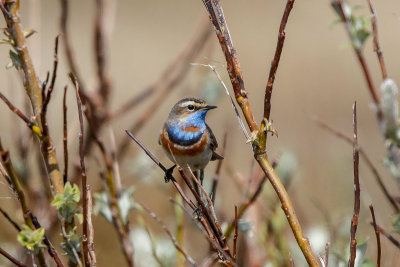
(190, 111)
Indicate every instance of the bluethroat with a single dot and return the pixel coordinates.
(186, 138)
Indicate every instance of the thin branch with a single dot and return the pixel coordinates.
(171, 236)
(235, 74)
(356, 212)
(241, 124)
(8, 256)
(378, 238)
(5, 214)
(218, 170)
(65, 135)
(153, 247)
(83, 172)
(50, 248)
(377, 48)
(20, 114)
(364, 155)
(46, 100)
(326, 258)
(90, 227)
(387, 235)
(277, 57)
(236, 235)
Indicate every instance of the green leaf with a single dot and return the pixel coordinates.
(396, 222)
(67, 202)
(102, 206)
(31, 239)
(126, 202)
(15, 60)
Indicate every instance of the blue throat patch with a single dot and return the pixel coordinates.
(183, 138)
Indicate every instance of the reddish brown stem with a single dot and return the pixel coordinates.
(387, 235)
(356, 212)
(378, 238)
(11, 258)
(65, 135)
(83, 172)
(277, 57)
(377, 48)
(236, 235)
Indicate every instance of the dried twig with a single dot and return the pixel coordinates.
(275, 61)
(90, 227)
(378, 238)
(218, 170)
(171, 236)
(377, 48)
(356, 212)
(7, 255)
(83, 172)
(236, 235)
(19, 113)
(65, 135)
(364, 155)
(326, 258)
(47, 96)
(5, 214)
(387, 235)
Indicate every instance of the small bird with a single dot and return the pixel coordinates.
(187, 139)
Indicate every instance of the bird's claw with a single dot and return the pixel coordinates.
(168, 174)
(197, 212)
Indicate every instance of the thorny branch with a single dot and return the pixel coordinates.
(356, 212)
(11, 258)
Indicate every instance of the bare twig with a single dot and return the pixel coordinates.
(377, 48)
(378, 238)
(47, 97)
(356, 212)
(387, 235)
(83, 172)
(8, 256)
(5, 214)
(218, 170)
(90, 228)
(364, 155)
(326, 258)
(236, 235)
(241, 124)
(65, 135)
(277, 57)
(171, 236)
(19, 113)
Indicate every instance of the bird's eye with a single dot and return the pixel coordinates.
(190, 107)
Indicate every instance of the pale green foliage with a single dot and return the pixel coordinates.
(125, 204)
(32, 240)
(15, 58)
(67, 203)
(358, 25)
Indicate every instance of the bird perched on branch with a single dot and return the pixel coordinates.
(187, 139)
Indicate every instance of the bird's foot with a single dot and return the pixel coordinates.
(168, 174)
(197, 212)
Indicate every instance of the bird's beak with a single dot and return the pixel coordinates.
(208, 107)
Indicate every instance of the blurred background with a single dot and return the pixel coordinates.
(318, 75)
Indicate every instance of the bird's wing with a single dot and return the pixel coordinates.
(213, 144)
